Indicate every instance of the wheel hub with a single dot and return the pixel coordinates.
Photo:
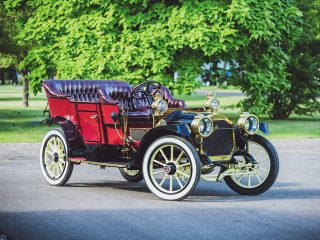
(55, 157)
(170, 168)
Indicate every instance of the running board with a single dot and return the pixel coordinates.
(113, 164)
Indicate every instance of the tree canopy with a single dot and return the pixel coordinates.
(303, 69)
(137, 40)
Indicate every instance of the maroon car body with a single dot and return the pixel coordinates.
(150, 135)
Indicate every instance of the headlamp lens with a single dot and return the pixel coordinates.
(162, 106)
(214, 104)
(251, 124)
(205, 127)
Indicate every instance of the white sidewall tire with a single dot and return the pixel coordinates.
(66, 174)
(273, 174)
(194, 160)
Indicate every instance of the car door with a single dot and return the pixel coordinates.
(89, 122)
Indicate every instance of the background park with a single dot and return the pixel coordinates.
(267, 50)
(258, 56)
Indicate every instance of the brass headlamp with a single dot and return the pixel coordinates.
(212, 104)
(249, 123)
(159, 106)
(202, 125)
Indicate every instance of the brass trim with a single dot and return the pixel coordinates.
(208, 106)
(242, 121)
(220, 157)
(157, 99)
(161, 122)
(223, 118)
(195, 125)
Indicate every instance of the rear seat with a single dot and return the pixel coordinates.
(107, 91)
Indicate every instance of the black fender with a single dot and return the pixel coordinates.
(181, 130)
(241, 140)
(66, 125)
(74, 140)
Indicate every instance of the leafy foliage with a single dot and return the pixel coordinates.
(11, 23)
(8, 50)
(303, 69)
(136, 40)
(7, 60)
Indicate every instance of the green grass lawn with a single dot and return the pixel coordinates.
(15, 120)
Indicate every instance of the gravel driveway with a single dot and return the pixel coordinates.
(99, 204)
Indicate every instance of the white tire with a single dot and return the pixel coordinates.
(54, 163)
(182, 168)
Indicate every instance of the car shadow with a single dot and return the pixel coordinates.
(272, 194)
(286, 184)
(137, 187)
(207, 192)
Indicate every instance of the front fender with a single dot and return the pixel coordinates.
(181, 130)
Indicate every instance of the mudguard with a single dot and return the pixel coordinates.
(73, 138)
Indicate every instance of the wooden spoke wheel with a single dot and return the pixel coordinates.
(171, 168)
(54, 163)
(254, 179)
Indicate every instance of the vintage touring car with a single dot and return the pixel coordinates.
(149, 135)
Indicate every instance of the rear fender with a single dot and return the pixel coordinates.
(74, 139)
(181, 130)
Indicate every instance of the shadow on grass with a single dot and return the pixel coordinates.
(16, 125)
(18, 99)
(8, 114)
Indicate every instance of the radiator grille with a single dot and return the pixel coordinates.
(220, 142)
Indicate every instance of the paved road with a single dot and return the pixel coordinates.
(99, 204)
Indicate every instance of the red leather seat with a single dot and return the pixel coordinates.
(108, 92)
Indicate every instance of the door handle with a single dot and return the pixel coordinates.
(94, 116)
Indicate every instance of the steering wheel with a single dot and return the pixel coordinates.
(145, 89)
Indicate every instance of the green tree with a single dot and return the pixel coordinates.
(8, 51)
(136, 40)
(303, 70)
(13, 15)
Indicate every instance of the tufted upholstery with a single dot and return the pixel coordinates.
(88, 91)
(172, 103)
(109, 92)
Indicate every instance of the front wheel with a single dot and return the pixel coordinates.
(54, 163)
(254, 179)
(171, 168)
(131, 175)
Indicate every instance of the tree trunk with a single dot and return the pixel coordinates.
(3, 81)
(25, 91)
(13, 75)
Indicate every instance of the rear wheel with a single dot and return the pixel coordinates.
(254, 179)
(54, 163)
(131, 175)
(171, 168)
